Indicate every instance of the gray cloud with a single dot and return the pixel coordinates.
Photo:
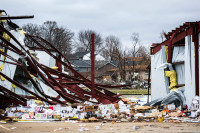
(116, 17)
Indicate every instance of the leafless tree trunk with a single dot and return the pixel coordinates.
(84, 41)
(111, 47)
(122, 64)
(48, 30)
(143, 52)
(133, 52)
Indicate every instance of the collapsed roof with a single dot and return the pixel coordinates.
(38, 72)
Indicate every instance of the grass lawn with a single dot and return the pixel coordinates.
(132, 92)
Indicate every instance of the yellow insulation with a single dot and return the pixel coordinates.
(1, 67)
(32, 76)
(6, 36)
(2, 78)
(166, 50)
(38, 101)
(54, 67)
(172, 76)
(2, 20)
(22, 31)
(1, 50)
(14, 86)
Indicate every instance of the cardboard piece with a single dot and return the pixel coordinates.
(176, 114)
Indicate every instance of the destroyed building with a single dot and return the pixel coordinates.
(175, 65)
(39, 72)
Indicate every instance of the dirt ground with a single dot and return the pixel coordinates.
(107, 128)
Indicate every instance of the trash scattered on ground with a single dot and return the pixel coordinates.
(135, 127)
(114, 113)
(13, 128)
(83, 129)
(102, 124)
(97, 127)
(55, 130)
(68, 128)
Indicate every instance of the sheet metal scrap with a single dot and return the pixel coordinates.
(29, 79)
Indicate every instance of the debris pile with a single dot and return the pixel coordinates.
(89, 112)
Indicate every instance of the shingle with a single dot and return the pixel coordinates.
(80, 63)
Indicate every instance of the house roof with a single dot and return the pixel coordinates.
(138, 67)
(88, 61)
(114, 63)
(80, 63)
(136, 61)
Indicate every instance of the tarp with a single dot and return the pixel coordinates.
(178, 54)
(158, 86)
(46, 59)
(177, 97)
(189, 70)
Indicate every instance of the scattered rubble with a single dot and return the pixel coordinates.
(118, 112)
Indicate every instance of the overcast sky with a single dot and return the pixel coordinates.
(109, 17)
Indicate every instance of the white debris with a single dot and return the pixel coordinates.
(97, 127)
(135, 127)
(13, 128)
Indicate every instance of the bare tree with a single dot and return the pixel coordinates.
(84, 40)
(48, 30)
(111, 47)
(122, 64)
(135, 42)
(133, 52)
(31, 29)
(143, 52)
(60, 37)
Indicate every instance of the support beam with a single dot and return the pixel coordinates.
(196, 45)
(15, 17)
(170, 53)
(149, 73)
(92, 63)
